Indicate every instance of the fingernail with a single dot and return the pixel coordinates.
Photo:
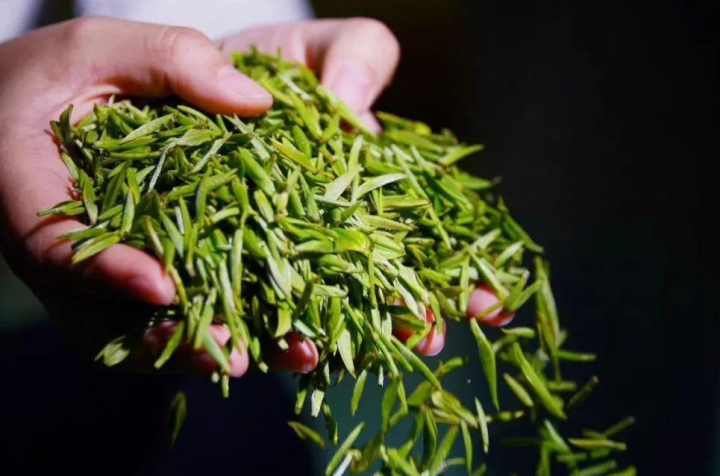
(433, 344)
(163, 291)
(239, 363)
(482, 298)
(232, 80)
(167, 290)
(352, 83)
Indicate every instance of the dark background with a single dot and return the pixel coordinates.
(601, 116)
(602, 120)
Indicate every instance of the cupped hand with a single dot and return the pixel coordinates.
(82, 62)
(87, 60)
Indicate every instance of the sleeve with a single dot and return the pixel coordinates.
(215, 18)
(17, 17)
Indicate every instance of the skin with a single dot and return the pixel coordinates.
(482, 298)
(300, 357)
(87, 60)
(432, 344)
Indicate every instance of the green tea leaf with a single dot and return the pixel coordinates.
(343, 449)
(294, 155)
(346, 352)
(176, 416)
(148, 128)
(482, 423)
(536, 382)
(430, 439)
(334, 189)
(467, 441)
(255, 171)
(388, 403)
(94, 246)
(88, 194)
(377, 182)
(416, 363)
(114, 352)
(172, 345)
(358, 391)
(519, 391)
(444, 448)
(307, 433)
(487, 359)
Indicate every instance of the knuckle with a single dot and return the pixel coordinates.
(174, 42)
(377, 31)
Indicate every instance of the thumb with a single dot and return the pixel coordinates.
(144, 59)
(79, 62)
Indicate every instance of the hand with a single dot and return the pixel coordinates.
(82, 62)
(356, 58)
(86, 61)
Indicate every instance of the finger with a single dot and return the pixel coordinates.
(356, 57)
(371, 122)
(483, 298)
(155, 60)
(432, 344)
(359, 62)
(239, 359)
(156, 338)
(109, 56)
(301, 355)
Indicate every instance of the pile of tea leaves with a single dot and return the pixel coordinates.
(302, 221)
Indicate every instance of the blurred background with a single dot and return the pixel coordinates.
(601, 118)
